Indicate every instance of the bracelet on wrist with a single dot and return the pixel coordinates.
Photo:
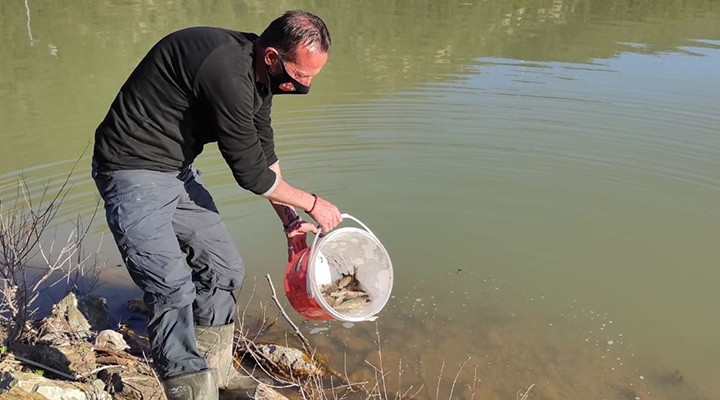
(313, 204)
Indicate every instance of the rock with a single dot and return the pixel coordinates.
(65, 323)
(76, 359)
(18, 394)
(59, 348)
(111, 340)
(291, 361)
(51, 389)
(675, 378)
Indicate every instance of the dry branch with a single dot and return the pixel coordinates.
(25, 228)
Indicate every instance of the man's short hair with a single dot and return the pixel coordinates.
(293, 29)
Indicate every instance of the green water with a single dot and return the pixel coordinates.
(544, 174)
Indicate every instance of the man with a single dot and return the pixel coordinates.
(196, 86)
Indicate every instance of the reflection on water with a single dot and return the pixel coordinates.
(544, 175)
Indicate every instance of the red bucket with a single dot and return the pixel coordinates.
(297, 291)
(341, 252)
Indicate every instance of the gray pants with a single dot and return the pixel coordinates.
(178, 251)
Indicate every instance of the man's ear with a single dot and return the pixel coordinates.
(270, 56)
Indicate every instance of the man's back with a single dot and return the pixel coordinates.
(161, 119)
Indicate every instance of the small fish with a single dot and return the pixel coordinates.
(352, 304)
(339, 300)
(344, 281)
(351, 294)
(328, 288)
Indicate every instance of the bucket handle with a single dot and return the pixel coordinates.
(348, 216)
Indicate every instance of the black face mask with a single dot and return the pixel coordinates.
(284, 83)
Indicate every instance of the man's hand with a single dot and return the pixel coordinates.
(296, 234)
(325, 214)
(321, 210)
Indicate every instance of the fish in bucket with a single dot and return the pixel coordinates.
(345, 275)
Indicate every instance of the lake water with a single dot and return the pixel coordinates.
(545, 175)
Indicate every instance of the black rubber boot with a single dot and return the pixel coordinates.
(193, 386)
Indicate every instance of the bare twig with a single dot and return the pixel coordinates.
(524, 396)
(437, 390)
(299, 334)
(380, 358)
(247, 343)
(96, 370)
(473, 388)
(457, 375)
(155, 375)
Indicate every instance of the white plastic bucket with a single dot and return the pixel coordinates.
(343, 251)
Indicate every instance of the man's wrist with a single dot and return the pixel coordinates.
(314, 203)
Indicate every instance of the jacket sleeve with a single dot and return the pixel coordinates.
(227, 91)
(265, 131)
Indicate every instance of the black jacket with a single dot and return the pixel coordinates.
(195, 86)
